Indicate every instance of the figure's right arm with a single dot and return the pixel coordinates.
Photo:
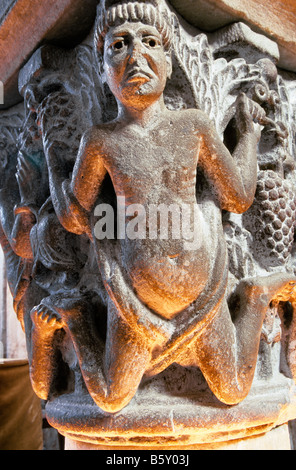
(74, 198)
(89, 171)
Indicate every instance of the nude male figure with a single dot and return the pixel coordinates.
(151, 155)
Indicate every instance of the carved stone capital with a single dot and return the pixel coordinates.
(180, 333)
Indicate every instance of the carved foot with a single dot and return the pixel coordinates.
(276, 287)
(47, 323)
(288, 292)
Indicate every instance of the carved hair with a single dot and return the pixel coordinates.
(111, 13)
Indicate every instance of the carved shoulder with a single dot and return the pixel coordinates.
(101, 132)
(92, 146)
(201, 121)
(195, 120)
(92, 138)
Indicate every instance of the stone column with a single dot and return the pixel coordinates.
(177, 335)
(12, 336)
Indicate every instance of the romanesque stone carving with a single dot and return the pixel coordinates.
(150, 124)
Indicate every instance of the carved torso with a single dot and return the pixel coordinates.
(146, 167)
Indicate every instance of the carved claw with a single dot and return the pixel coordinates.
(45, 317)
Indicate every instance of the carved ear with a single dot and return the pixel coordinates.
(169, 65)
(103, 76)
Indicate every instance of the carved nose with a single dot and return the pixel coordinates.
(136, 54)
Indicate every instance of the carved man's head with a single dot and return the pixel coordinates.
(133, 40)
(113, 13)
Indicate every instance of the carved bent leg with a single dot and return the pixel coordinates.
(289, 338)
(47, 324)
(52, 315)
(128, 355)
(50, 319)
(227, 351)
(112, 373)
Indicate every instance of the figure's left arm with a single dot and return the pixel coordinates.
(234, 177)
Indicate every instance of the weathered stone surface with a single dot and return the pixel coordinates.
(274, 19)
(277, 439)
(238, 40)
(28, 23)
(194, 421)
(141, 331)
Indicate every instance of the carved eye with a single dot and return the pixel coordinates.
(151, 42)
(118, 45)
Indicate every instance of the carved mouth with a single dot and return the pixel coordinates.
(138, 74)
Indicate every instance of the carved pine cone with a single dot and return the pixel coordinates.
(274, 213)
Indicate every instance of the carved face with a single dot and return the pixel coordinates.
(136, 64)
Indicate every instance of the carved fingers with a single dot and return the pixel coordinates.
(256, 111)
(46, 318)
(249, 116)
